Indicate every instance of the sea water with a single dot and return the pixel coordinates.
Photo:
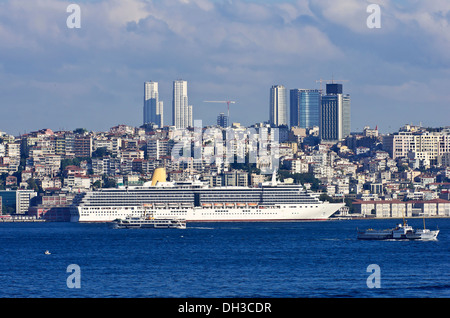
(217, 260)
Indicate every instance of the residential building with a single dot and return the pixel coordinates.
(157, 148)
(428, 146)
(82, 146)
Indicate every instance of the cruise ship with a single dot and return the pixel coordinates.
(195, 201)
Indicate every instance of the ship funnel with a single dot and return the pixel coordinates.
(159, 175)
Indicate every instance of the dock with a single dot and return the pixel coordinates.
(22, 220)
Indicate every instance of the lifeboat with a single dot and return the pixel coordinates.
(218, 204)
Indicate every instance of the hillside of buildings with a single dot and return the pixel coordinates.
(402, 173)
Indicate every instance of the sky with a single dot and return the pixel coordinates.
(53, 76)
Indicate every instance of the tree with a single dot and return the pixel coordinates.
(100, 152)
(80, 131)
(34, 186)
(300, 178)
(97, 184)
(109, 183)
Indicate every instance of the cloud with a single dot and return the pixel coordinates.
(223, 48)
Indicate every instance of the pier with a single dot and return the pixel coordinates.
(19, 219)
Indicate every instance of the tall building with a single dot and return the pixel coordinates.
(304, 107)
(222, 120)
(334, 114)
(182, 114)
(278, 110)
(153, 108)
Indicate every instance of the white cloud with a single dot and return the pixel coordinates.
(233, 46)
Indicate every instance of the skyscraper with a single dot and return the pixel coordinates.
(278, 111)
(153, 108)
(334, 114)
(182, 116)
(304, 107)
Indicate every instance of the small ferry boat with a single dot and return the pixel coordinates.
(400, 232)
(149, 223)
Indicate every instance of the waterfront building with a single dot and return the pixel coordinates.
(18, 200)
(397, 208)
(278, 111)
(182, 112)
(334, 114)
(153, 107)
(304, 107)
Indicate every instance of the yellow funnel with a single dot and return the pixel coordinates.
(159, 175)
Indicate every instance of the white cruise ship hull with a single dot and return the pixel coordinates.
(320, 211)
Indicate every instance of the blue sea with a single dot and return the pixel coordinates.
(218, 260)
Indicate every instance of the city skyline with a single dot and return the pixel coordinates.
(92, 76)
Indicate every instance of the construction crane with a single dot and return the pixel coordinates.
(328, 81)
(222, 101)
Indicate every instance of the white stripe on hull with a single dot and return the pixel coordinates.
(298, 213)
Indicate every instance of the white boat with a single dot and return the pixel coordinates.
(149, 223)
(197, 202)
(400, 232)
(423, 234)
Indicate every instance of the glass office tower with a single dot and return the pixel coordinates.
(304, 107)
(153, 108)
